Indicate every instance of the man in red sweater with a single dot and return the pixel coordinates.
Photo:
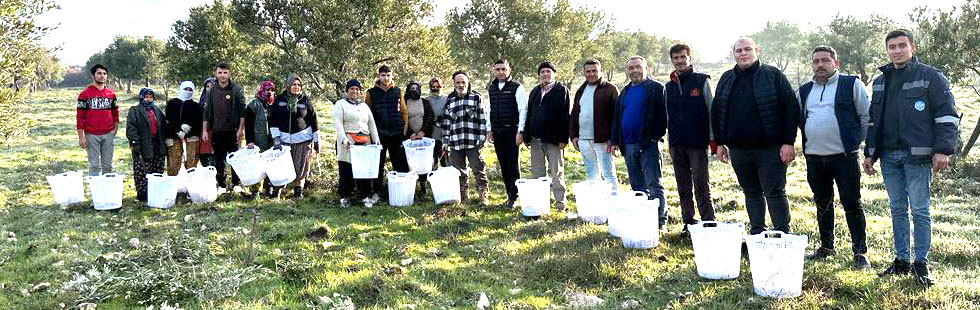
(95, 119)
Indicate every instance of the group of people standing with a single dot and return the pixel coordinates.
(751, 121)
(186, 132)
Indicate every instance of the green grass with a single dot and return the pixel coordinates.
(297, 252)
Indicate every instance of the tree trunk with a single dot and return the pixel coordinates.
(129, 87)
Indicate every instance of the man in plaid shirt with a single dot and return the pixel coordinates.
(464, 130)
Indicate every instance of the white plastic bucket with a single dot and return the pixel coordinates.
(401, 188)
(776, 262)
(535, 196)
(590, 200)
(279, 166)
(717, 248)
(445, 185)
(419, 154)
(67, 188)
(248, 165)
(201, 185)
(365, 160)
(161, 190)
(640, 228)
(106, 191)
(622, 203)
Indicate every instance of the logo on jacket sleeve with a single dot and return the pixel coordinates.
(695, 92)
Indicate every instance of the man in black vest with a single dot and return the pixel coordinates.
(835, 119)
(387, 103)
(224, 118)
(688, 96)
(508, 107)
(756, 114)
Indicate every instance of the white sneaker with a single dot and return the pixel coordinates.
(344, 203)
(221, 191)
(375, 198)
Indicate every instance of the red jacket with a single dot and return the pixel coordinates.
(97, 112)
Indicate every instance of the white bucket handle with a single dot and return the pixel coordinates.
(709, 224)
(772, 234)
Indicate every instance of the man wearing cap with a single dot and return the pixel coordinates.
(546, 130)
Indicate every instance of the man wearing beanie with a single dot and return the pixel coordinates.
(546, 130)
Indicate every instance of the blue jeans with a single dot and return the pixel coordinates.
(643, 165)
(595, 157)
(907, 180)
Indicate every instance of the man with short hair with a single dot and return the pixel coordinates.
(640, 124)
(387, 103)
(438, 103)
(835, 119)
(464, 131)
(508, 110)
(755, 114)
(688, 96)
(546, 130)
(224, 119)
(591, 122)
(913, 132)
(96, 116)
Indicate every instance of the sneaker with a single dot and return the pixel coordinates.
(921, 271)
(375, 198)
(898, 267)
(484, 200)
(820, 253)
(861, 261)
(344, 203)
(275, 193)
(684, 231)
(297, 193)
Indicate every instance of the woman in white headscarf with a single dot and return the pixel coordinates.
(185, 118)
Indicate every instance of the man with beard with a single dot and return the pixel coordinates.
(224, 118)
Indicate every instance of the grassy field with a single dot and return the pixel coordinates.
(291, 255)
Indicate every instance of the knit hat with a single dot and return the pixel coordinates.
(546, 64)
(352, 83)
(185, 95)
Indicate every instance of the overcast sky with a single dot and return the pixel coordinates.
(709, 26)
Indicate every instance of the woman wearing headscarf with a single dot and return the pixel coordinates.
(257, 130)
(355, 126)
(146, 128)
(293, 122)
(185, 117)
(421, 120)
(205, 151)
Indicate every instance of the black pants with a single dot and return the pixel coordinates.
(762, 175)
(822, 172)
(392, 147)
(347, 184)
(224, 142)
(505, 145)
(441, 158)
(691, 172)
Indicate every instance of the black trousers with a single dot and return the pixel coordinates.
(346, 186)
(762, 175)
(224, 142)
(391, 147)
(843, 169)
(691, 172)
(505, 145)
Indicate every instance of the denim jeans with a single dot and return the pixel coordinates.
(643, 165)
(595, 157)
(762, 175)
(822, 172)
(907, 180)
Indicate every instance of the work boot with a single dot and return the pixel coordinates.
(898, 267)
(298, 192)
(484, 198)
(921, 271)
(820, 253)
